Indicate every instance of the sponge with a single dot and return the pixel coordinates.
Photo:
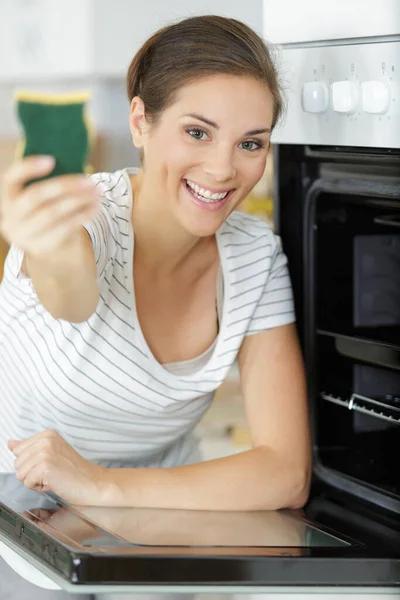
(56, 125)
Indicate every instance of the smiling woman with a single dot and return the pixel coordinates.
(127, 297)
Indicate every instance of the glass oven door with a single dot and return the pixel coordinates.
(92, 549)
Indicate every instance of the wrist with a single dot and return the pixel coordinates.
(109, 490)
(59, 264)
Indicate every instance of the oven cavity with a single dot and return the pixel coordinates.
(354, 298)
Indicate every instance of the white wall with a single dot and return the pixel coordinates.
(118, 29)
(135, 26)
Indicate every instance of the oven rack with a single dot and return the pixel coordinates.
(366, 405)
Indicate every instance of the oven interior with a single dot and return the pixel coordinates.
(348, 295)
(357, 318)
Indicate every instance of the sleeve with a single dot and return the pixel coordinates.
(276, 306)
(100, 230)
(13, 264)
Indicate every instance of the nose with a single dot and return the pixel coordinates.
(220, 164)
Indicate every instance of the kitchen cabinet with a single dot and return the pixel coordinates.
(314, 20)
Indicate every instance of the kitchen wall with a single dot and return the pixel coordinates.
(101, 37)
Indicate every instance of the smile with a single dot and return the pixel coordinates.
(206, 199)
(205, 194)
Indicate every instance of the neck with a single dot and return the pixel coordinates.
(160, 243)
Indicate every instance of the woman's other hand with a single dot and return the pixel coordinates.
(46, 462)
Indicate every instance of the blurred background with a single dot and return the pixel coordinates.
(57, 46)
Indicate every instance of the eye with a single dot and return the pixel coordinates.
(251, 145)
(196, 133)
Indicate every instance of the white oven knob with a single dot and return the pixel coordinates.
(345, 95)
(375, 97)
(315, 97)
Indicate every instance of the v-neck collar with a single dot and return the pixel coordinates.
(159, 367)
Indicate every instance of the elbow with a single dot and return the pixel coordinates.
(73, 311)
(300, 488)
(72, 314)
(76, 319)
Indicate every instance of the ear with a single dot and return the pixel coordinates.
(137, 122)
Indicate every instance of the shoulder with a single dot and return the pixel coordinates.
(252, 252)
(109, 229)
(246, 233)
(114, 188)
(240, 222)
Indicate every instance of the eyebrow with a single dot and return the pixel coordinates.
(213, 124)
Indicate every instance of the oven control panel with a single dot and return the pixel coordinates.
(346, 95)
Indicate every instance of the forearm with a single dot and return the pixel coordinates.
(65, 282)
(254, 480)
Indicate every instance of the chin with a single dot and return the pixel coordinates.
(201, 230)
(203, 218)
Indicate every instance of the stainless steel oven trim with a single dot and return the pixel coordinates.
(379, 39)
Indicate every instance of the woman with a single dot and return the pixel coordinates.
(128, 296)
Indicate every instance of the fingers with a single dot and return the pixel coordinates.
(36, 478)
(32, 167)
(18, 446)
(37, 515)
(32, 463)
(25, 465)
(42, 195)
(12, 444)
(46, 213)
(49, 227)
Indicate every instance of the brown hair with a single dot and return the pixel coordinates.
(198, 46)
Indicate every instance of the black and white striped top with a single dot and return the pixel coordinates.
(97, 383)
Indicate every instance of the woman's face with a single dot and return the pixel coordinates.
(208, 150)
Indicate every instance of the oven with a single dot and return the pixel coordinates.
(337, 209)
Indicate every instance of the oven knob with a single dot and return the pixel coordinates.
(375, 97)
(345, 95)
(315, 97)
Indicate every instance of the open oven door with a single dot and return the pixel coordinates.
(333, 542)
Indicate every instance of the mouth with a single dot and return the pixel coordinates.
(206, 198)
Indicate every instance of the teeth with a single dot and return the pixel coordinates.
(204, 194)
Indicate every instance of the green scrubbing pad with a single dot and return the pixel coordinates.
(56, 125)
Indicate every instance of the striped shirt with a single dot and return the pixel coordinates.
(97, 383)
